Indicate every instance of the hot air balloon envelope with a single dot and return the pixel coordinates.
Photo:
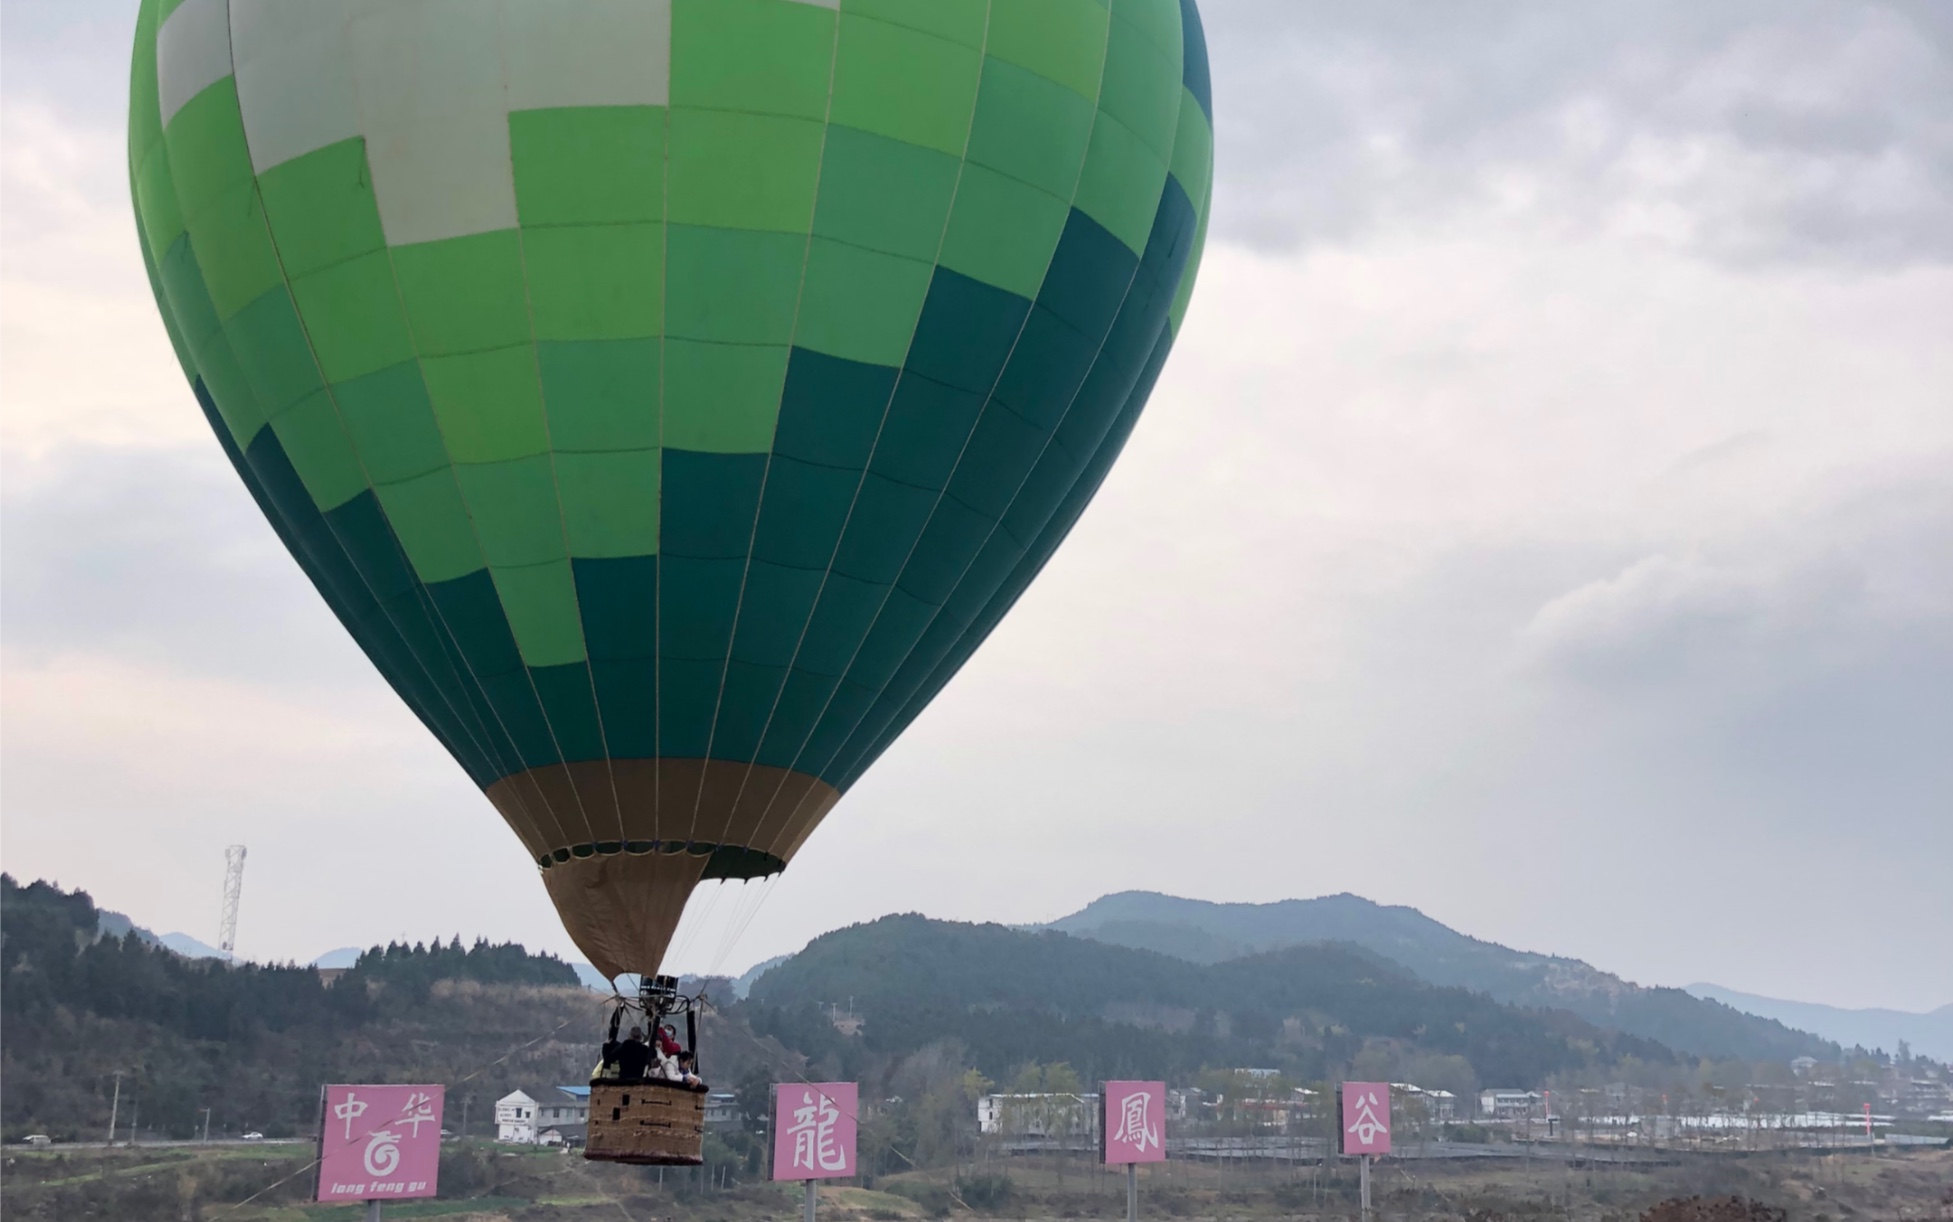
(669, 395)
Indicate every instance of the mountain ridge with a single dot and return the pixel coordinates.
(1205, 931)
(1006, 995)
(1928, 1033)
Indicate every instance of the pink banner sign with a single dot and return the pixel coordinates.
(380, 1143)
(1366, 1117)
(813, 1130)
(1135, 1122)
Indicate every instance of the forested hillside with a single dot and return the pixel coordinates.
(1204, 932)
(253, 1043)
(1010, 996)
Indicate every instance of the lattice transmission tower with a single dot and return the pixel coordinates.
(233, 887)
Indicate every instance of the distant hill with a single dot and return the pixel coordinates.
(189, 947)
(1011, 996)
(1203, 932)
(1929, 1034)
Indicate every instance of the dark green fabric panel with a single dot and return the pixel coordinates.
(618, 601)
(569, 701)
(774, 612)
(1134, 349)
(745, 706)
(831, 409)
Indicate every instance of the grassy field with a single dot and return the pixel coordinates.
(482, 1182)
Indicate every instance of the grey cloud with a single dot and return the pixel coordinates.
(1744, 132)
(1835, 587)
(158, 555)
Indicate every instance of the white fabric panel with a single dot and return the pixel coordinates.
(431, 94)
(193, 52)
(588, 52)
(428, 83)
(294, 77)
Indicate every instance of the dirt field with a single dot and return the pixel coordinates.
(485, 1183)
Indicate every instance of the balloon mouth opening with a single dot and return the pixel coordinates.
(723, 861)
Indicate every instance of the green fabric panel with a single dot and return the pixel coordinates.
(860, 304)
(883, 194)
(743, 171)
(321, 207)
(514, 508)
(234, 249)
(352, 313)
(272, 349)
(610, 502)
(722, 398)
(1030, 129)
(1193, 151)
(1060, 40)
(760, 56)
(208, 156)
(1142, 88)
(188, 299)
(901, 83)
(1162, 23)
(588, 165)
(595, 281)
(1184, 293)
(145, 105)
(464, 294)
(601, 394)
(489, 404)
(432, 525)
(732, 285)
(960, 21)
(156, 202)
(236, 402)
(171, 325)
(1003, 231)
(540, 603)
(316, 444)
(391, 422)
(1120, 187)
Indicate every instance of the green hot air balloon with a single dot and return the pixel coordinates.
(669, 395)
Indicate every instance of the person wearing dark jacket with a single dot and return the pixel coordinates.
(632, 1057)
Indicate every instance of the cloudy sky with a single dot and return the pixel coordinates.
(1545, 520)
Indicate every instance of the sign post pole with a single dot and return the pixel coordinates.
(372, 1211)
(813, 1195)
(1363, 1179)
(1132, 1192)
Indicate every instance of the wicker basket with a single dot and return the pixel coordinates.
(653, 1124)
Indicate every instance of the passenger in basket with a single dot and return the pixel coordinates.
(633, 1055)
(688, 1071)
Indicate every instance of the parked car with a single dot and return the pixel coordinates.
(254, 1135)
(37, 1139)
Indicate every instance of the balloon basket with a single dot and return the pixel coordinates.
(649, 1124)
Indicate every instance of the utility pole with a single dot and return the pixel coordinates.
(206, 1126)
(115, 1105)
(135, 1114)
